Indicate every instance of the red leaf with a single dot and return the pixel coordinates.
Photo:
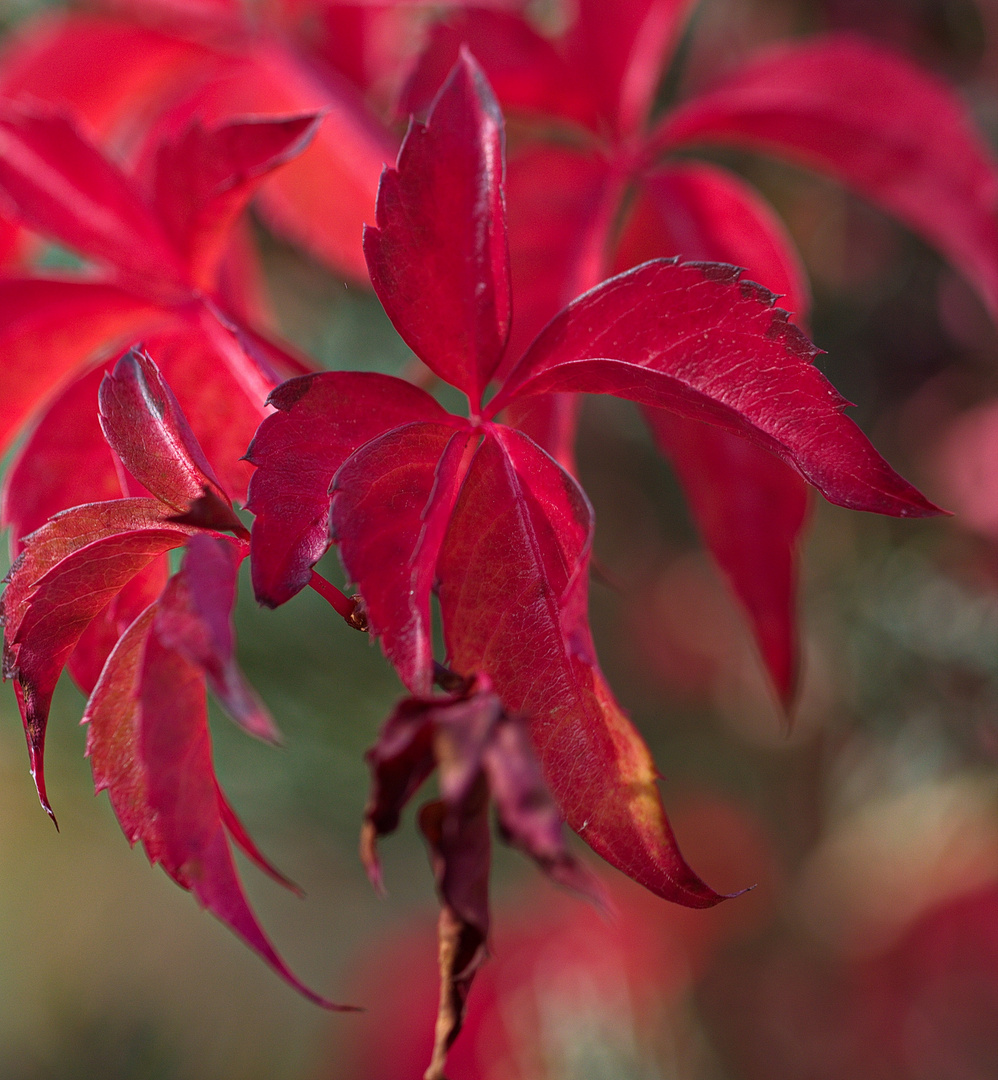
(622, 49)
(513, 598)
(701, 212)
(64, 187)
(61, 606)
(877, 123)
(527, 816)
(438, 258)
(97, 642)
(145, 426)
(321, 420)
(750, 509)
(400, 761)
(562, 206)
(392, 502)
(64, 534)
(528, 73)
(113, 735)
(64, 462)
(322, 198)
(204, 179)
(150, 747)
(49, 328)
(197, 623)
(97, 69)
(692, 338)
(222, 384)
(748, 505)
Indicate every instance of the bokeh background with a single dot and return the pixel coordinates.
(869, 947)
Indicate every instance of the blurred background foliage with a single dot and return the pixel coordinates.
(869, 947)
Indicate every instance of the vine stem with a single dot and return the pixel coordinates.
(344, 605)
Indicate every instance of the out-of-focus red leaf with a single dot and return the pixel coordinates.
(61, 185)
(698, 211)
(60, 607)
(392, 502)
(49, 328)
(964, 463)
(64, 462)
(529, 75)
(101, 70)
(145, 426)
(693, 338)
(198, 625)
(748, 505)
(750, 509)
(321, 420)
(562, 205)
(209, 14)
(877, 123)
(241, 282)
(438, 258)
(205, 177)
(150, 747)
(513, 597)
(621, 49)
(322, 198)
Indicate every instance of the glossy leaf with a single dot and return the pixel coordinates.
(699, 211)
(97, 642)
(513, 598)
(438, 257)
(146, 428)
(874, 121)
(693, 338)
(320, 421)
(392, 501)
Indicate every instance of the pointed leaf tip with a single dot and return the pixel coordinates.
(445, 199)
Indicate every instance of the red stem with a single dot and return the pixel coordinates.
(340, 602)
